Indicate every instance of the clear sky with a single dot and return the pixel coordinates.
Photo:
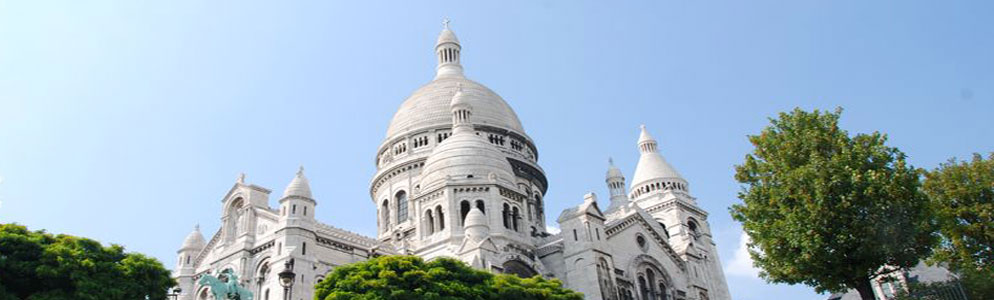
(127, 121)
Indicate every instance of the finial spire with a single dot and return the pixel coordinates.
(300, 171)
(445, 23)
(241, 178)
(646, 143)
(196, 227)
(610, 160)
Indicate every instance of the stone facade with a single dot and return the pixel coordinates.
(458, 176)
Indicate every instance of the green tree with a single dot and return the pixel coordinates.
(963, 197)
(409, 277)
(829, 210)
(962, 194)
(35, 265)
(978, 283)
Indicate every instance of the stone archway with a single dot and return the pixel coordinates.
(518, 268)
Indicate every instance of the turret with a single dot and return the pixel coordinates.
(185, 263)
(476, 225)
(585, 243)
(583, 227)
(297, 205)
(653, 175)
(616, 186)
(462, 112)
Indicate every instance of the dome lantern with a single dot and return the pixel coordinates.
(447, 50)
(462, 111)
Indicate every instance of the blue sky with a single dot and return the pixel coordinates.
(127, 121)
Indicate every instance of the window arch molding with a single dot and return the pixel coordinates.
(464, 208)
(643, 262)
(693, 227)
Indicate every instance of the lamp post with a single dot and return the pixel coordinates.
(175, 293)
(286, 279)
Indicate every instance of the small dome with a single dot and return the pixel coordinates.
(194, 241)
(299, 187)
(476, 223)
(447, 36)
(652, 165)
(464, 155)
(612, 171)
(459, 99)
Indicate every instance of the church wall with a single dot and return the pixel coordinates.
(628, 256)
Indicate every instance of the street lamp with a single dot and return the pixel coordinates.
(175, 293)
(286, 279)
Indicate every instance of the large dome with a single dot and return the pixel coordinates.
(429, 107)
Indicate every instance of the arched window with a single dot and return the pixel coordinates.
(263, 273)
(401, 199)
(429, 222)
(481, 207)
(463, 210)
(643, 290)
(505, 215)
(662, 291)
(604, 279)
(441, 217)
(692, 226)
(538, 207)
(515, 214)
(651, 277)
(519, 269)
(385, 214)
(665, 231)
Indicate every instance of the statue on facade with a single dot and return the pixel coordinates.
(225, 287)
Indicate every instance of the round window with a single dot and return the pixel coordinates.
(641, 242)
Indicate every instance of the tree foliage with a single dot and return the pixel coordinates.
(963, 198)
(409, 277)
(37, 265)
(978, 283)
(962, 195)
(827, 209)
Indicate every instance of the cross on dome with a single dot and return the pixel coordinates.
(445, 23)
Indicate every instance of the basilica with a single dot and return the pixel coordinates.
(458, 176)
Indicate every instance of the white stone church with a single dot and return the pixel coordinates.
(458, 176)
